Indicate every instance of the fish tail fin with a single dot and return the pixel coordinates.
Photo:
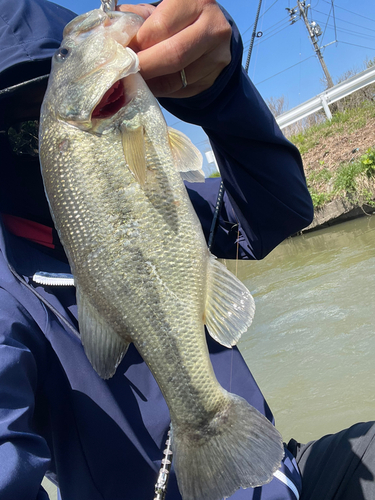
(239, 448)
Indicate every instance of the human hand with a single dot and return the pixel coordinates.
(193, 36)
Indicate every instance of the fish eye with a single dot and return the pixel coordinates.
(62, 53)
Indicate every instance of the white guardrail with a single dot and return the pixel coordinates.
(327, 97)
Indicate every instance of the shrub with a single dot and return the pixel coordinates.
(346, 178)
(368, 162)
(319, 199)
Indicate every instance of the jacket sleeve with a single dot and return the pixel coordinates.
(24, 455)
(261, 170)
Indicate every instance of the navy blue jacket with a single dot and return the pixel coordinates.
(103, 440)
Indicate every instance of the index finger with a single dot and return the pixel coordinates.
(166, 20)
(209, 31)
(171, 55)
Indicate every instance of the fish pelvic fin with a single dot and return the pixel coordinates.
(188, 159)
(238, 448)
(230, 306)
(133, 146)
(103, 347)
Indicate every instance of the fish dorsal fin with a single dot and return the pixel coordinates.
(187, 157)
(103, 347)
(230, 306)
(133, 145)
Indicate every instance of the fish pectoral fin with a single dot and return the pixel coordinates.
(133, 145)
(103, 347)
(187, 157)
(230, 306)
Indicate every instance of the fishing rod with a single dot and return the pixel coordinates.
(220, 196)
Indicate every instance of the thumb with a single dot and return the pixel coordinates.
(142, 9)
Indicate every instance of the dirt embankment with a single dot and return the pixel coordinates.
(343, 145)
(340, 148)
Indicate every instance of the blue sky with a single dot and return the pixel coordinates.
(283, 62)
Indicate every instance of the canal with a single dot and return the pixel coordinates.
(311, 346)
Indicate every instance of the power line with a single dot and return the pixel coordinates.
(205, 141)
(351, 12)
(285, 18)
(355, 45)
(264, 39)
(354, 33)
(348, 22)
(334, 22)
(265, 12)
(317, 3)
(283, 71)
(267, 30)
(278, 27)
(334, 18)
(176, 123)
(269, 35)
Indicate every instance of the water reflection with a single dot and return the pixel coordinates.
(311, 346)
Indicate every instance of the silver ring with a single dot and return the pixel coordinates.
(183, 78)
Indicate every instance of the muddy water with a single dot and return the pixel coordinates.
(311, 347)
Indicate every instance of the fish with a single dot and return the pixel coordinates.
(114, 178)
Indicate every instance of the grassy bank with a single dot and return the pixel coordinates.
(339, 156)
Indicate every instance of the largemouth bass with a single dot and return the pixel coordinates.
(113, 175)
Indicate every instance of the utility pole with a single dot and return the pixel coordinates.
(314, 32)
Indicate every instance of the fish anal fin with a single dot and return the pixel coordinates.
(188, 159)
(133, 146)
(230, 306)
(103, 347)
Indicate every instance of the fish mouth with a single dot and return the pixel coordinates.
(112, 101)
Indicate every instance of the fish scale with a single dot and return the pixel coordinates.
(113, 174)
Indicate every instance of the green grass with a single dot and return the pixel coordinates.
(346, 178)
(349, 176)
(320, 199)
(318, 176)
(215, 174)
(350, 120)
(354, 180)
